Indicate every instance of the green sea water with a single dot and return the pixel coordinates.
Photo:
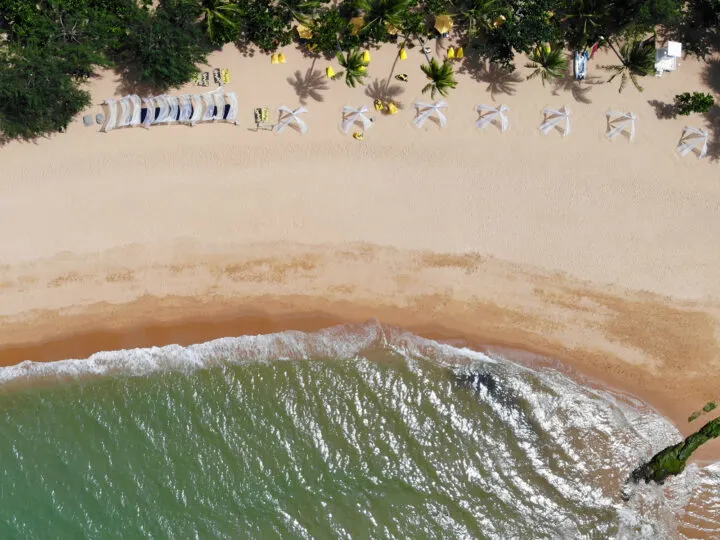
(385, 438)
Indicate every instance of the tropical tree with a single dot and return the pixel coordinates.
(637, 59)
(479, 16)
(331, 32)
(381, 14)
(584, 21)
(266, 25)
(548, 63)
(221, 20)
(354, 65)
(441, 78)
(302, 10)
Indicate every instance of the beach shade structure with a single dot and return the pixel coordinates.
(426, 110)
(174, 112)
(451, 53)
(493, 115)
(403, 54)
(460, 53)
(281, 58)
(286, 116)
(231, 107)
(693, 140)
(185, 108)
(197, 109)
(555, 119)
(111, 111)
(443, 24)
(330, 72)
(351, 115)
(366, 57)
(304, 32)
(619, 122)
(274, 59)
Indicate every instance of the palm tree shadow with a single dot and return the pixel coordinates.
(499, 79)
(309, 85)
(384, 91)
(663, 111)
(579, 90)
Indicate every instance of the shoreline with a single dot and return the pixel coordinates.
(119, 329)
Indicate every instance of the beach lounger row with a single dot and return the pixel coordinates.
(132, 111)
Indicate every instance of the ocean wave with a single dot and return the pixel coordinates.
(555, 451)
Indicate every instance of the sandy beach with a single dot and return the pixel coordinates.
(602, 255)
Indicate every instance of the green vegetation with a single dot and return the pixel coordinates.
(673, 459)
(694, 416)
(355, 67)
(440, 76)
(710, 406)
(55, 45)
(686, 104)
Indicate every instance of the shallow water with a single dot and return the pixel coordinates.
(351, 432)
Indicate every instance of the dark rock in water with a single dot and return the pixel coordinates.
(672, 460)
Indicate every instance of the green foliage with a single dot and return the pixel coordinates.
(699, 29)
(221, 19)
(548, 63)
(381, 13)
(37, 95)
(441, 76)
(686, 104)
(709, 406)
(331, 32)
(694, 416)
(637, 60)
(673, 459)
(265, 25)
(161, 49)
(584, 21)
(355, 68)
(478, 16)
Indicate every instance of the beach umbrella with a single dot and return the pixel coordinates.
(493, 115)
(460, 53)
(554, 117)
(694, 139)
(303, 31)
(352, 115)
(287, 117)
(330, 72)
(426, 110)
(403, 54)
(619, 122)
(451, 53)
(392, 108)
(281, 58)
(443, 24)
(366, 57)
(357, 24)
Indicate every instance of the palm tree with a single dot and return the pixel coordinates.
(221, 17)
(479, 15)
(301, 10)
(355, 67)
(548, 63)
(383, 12)
(637, 59)
(584, 19)
(441, 76)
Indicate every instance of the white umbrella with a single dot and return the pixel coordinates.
(493, 115)
(291, 117)
(425, 110)
(553, 117)
(619, 122)
(352, 115)
(693, 139)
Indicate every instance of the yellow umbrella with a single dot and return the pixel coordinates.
(451, 53)
(460, 53)
(357, 24)
(330, 72)
(403, 54)
(366, 57)
(392, 108)
(274, 59)
(303, 31)
(443, 24)
(281, 58)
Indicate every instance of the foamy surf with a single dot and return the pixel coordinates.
(462, 443)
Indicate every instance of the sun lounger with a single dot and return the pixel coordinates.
(217, 77)
(205, 79)
(226, 76)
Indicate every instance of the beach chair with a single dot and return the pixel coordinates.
(262, 116)
(226, 76)
(205, 79)
(198, 79)
(666, 58)
(217, 76)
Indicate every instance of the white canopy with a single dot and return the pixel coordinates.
(111, 107)
(351, 115)
(136, 110)
(426, 110)
(161, 103)
(492, 115)
(619, 122)
(554, 118)
(231, 99)
(287, 117)
(693, 139)
(197, 109)
(186, 108)
(174, 104)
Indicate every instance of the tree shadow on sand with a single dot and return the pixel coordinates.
(384, 91)
(309, 85)
(579, 90)
(711, 77)
(663, 111)
(499, 79)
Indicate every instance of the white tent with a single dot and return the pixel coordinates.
(173, 113)
(161, 103)
(351, 115)
(693, 139)
(231, 100)
(554, 118)
(426, 110)
(619, 122)
(209, 106)
(492, 115)
(125, 112)
(219, 98)
(287, 117)
(197, 109)
(136, 110)
(186, 108)
(111, 108)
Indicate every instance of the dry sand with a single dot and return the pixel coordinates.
(601, 254)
